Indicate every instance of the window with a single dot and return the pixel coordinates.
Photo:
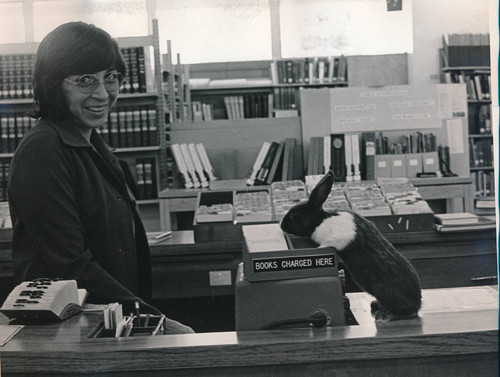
(120, 18)
(215, 30)
(12, 21)
(348, 27)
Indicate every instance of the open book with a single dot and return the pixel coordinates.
(44, 299)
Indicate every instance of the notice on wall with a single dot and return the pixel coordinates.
(451, 101)
(387, 108)
(455, 136)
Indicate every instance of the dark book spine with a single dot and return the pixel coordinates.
(141, 66)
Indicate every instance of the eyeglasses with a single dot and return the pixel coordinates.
(88, 83)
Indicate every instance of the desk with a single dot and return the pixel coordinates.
(457, 191)
(451, 337)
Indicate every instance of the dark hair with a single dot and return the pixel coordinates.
(73, 48)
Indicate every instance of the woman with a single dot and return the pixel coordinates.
(73, 214)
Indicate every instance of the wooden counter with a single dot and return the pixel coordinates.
(456, 334)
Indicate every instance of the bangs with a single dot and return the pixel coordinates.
(100, 54)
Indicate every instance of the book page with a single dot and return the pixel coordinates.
(264, 237)
(7, 332)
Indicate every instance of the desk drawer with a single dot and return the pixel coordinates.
(195, 278)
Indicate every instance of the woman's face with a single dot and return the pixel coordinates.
(90, 97)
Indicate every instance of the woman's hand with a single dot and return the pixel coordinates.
(174, 327)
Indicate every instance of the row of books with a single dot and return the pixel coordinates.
(13, 126)
(249, 106)
(286, 98)
(466, 50)
(353, 157)
(480, 120)
(136, 78)
(478, 84)
(416, 142)
(481, 153)
(202, 111)
(131, 126)
(4, 178)
(16, 72)
(274, 162)
(467, 39)
(317, 70)
(484, 183)
(145, 169)
(263, 105)
(193, 164)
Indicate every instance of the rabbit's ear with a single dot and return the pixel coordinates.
(321, 191)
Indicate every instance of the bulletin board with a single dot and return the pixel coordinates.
(399, 107)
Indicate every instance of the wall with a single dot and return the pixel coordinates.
(431, 20)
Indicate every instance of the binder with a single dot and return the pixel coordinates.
(205, 161)
(430, 162)
(327, 156)
(266, 165)
(413, 164)
(181, 166)
(277, 165)
(189, 165)
(338, 157)
(398, 165)
(348, 158)
(382, 166)
(198, 168)
(356, 157)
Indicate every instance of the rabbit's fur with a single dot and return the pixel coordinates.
(374, 264)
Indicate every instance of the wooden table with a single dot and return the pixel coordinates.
(457, 191)
(456, 334)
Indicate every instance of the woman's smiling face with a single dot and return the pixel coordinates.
(89, 110)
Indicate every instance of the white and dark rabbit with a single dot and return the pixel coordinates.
(374, 264)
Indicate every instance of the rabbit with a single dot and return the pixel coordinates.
(374, 263)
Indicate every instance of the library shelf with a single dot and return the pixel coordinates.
(464, 58)
(139, 106)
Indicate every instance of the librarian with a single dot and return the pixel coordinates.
(73, 215)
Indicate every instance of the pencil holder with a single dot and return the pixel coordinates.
(148, 325)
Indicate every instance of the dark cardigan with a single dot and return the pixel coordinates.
(74, 216)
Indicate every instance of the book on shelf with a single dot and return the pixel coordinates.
(459, 218)
(258, 163)
(483, 223)
(342, 69)
(193, 164)
(146, 178)
(198, 168)
(288, 170)
(276, 168)
(181, 166)
(484, 183)
(338, 157)
(266, 164)
(327, 155)
(16, 71)
(207, 165)
(309, 70)
(368, 155)
(190, 165)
